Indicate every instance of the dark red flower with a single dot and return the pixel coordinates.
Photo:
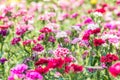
(41, 61)
(95, 31)
(98, 42)
(77, 68)
(67, 69)
(109, 58)
(45, 30)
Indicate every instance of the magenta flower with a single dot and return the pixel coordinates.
(38, 47)
(15, 40)
(33, 75)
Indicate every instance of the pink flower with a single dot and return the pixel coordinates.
(41, 37)
(74, 15)
(74, 41)
(45, 30)
(88, 20)
(115, 69)
(18, 71)
(51, 39)
(61, 52)
(20, 31)
(27, 42)
(33, 75)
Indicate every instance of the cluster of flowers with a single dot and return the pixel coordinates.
(55, 36)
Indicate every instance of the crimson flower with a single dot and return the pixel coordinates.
(98, 42)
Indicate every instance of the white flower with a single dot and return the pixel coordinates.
(97, 14)
(92, 26)
(77, 28)
(61, 34)
(107, 36)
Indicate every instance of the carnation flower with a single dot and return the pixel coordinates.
(38, 47)
(45, 30)
(115, 69)
(33, 75)
(92, 26)
(61, 34)
(109, 58)
(3, 60)
(98, 42)
(77, 28)
(15, 40)
(61, 52)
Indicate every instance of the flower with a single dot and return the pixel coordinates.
(56, 63)
(61, 34)
(61, 52)
(18, 72)
(38, 47)
(93, 2)
(41, 37)
(4, 27)
(21, 31)
(3, 32)
(45, 30)
(51, 39)
(98, 42)
(114, 70)
(74, 15)
(92, 26)
(42, 61)
(15, 40)
(77, 68)
(3, 60)
(75, 40)
(109, 58)
(19, 69)
(27, 42)
(42, 70)
(33, 75)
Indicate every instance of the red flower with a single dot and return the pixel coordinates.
(4, 27)
(115, 69)
(95, 31)
(41, 61)
(42, 70)
(109, 58)
(68, 59)
(77, 68)
(55, 63)
(98, 42)
(45, 30)
(101, 10)
(67, 69)
(87, 34)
